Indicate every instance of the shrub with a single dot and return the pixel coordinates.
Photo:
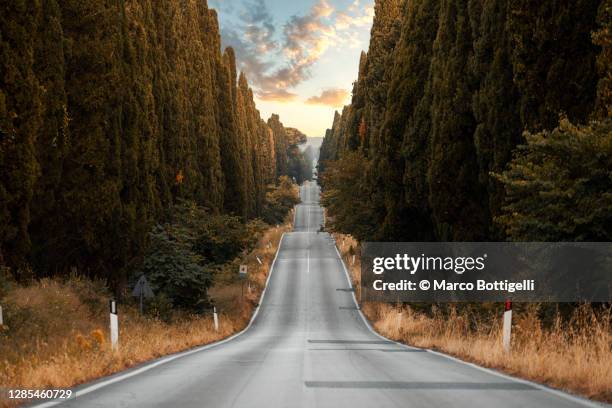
(559, 186)
(279, 200)
(174, 269)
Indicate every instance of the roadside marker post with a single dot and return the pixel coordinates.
(242, 273)
(114, 325)
(259, 260)
(507, 329)
(353, 261)
(1, 318)
(216, 319)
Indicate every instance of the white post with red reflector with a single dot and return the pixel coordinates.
(507, 329)
(114, 325)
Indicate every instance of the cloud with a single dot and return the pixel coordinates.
(222, 6)
(305, 40)
(253, 38)
(333, 97)
(278, 95)
(354, 17)
(276, 62)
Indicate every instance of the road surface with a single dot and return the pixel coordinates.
(309, 347)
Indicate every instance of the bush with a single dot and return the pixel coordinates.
(174, 269)
(185, 254)
(559, 186)
(279, 200)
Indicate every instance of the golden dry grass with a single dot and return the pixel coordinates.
(62, 336)
(574, 354)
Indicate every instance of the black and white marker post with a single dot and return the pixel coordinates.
(1, 318)
(114, 325)
(507, 329)
(216, 319)
(242, 273)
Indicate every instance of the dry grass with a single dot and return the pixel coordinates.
(573, 354)
(60, 333)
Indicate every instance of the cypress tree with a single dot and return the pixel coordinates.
(232, 160)
(454, 192)
(20, 122)
(110, 112)
(553, 59)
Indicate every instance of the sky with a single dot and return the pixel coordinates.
(301, 57)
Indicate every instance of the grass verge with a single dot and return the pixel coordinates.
(572, 353)
(56, 331)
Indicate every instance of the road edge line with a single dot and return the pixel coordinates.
(128, 373)
(561, 394)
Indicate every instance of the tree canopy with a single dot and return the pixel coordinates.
(110, 113)
(446, 94)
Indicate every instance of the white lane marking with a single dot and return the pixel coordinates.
(164, 360)
(308, 258)
(558, 393)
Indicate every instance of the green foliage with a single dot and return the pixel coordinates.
(299, 165)
(174, 269)
(279, 200)
(553, 59)
(110, 113)
(160, 307)
(440, 102)
(603, 38)
(221, 238)
(559, 185)
(281, 144)
(343, 185)
(185, 253)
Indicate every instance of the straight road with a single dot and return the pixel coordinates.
(310, 347)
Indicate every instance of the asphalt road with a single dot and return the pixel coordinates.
(310, 347)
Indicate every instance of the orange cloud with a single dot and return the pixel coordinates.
(334, 97)
(277, 95)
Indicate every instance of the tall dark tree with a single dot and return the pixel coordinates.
(110, 113)
(462, 80)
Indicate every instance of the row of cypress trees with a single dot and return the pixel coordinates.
(442, 99)
(110, 111)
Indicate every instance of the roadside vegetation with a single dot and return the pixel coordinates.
(569, 348)
(55, 332)
(123, 155)
(469, 122)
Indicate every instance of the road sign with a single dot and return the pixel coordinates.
(242, 272)
(142, 288)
